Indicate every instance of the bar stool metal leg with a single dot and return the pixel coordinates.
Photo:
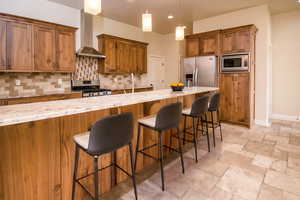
(133, 171)
(180, 149)
(96, 178)
(213, 127)
(75, 171)
(207, 134)
(161, 159)
(137, 146)
(195, 140)
(219, 121)
(184, 130)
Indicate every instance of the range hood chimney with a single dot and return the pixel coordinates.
(87, 37)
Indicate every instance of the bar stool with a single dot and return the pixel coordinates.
(197, 112)
(107, 135)
(167, 118)
(214, 106)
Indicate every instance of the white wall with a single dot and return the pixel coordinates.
(44, 10)
(260, 16)
(286, 65)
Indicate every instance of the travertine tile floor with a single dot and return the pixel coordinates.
(257, 164)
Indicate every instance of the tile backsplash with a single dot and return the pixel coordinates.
(36, 84)
(87, 69)
(33, 84)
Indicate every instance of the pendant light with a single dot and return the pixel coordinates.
(92, 7)
(179, 31)
(147, 22)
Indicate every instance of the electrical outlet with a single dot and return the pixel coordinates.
(59, 81)
(18, 82)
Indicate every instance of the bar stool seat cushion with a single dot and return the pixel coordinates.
(148, 121)
(82, 140)
(187, 111)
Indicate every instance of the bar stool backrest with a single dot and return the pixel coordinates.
(168, 117)
(200, 106)
(214, 102)
(111, 133)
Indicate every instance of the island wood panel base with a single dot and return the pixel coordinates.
(38, 157)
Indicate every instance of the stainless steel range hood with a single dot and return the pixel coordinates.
(87, 37)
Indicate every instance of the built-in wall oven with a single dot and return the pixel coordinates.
(235, 62)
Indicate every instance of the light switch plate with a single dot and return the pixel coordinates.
(18, 82)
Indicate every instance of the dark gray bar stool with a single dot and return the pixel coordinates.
(167, 118)
(107, 135)
(214, 106)
(197, 112)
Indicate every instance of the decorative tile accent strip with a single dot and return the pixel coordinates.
(33, 84)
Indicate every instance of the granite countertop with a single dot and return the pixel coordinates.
(15, 114)
(129, 88)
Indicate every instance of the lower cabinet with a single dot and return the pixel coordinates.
(235, 98)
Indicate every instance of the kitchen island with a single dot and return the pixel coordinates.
(37, 148)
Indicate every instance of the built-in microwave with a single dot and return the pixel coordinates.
(235, 62)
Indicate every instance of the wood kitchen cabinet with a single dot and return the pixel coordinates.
(192, 43)
(44, 45)
(65, 50)
(123, 56)
(19, 47)
(28, 45)
(235, 98)
(209, 43)
(237, 40)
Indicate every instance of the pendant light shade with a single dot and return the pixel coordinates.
(147, 22)
(92, 6)
(179, 35)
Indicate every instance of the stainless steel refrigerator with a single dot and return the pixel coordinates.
(200, 71)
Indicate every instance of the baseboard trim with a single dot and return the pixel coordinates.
(263, 123)
(285, 117)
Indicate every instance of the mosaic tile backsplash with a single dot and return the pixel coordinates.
(87, 69)
(33, 84)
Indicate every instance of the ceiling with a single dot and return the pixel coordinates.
(184, 11)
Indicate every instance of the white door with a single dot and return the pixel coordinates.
(156, 73)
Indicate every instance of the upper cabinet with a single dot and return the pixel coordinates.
(19, 51)
(203, 44)
(237, 40)
(44, 45)
(122, 56)
(28, 45)
(65, 50)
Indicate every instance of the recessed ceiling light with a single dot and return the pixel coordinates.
(171, 16)
(298, 1)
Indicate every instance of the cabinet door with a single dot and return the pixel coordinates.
(133, 59)
(240, 108)
(65, 50)
(44, 48)
(242, 43)
(228, 40)
(3, 63)
(209, 45)
(19, 46)
(123, 50)
(192, 47)
(110, 64)
(141, 59)
(226, 90)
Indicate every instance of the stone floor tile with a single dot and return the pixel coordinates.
(277, 139)
(194, 195)
(289, 196)
(236, 197)
(219, 194)
(235, 140)
(293, 173)
(260, 148)
(241, 182)
(262, 161)
(289, 148)
(295, 140)
(294, 163)
(270, 193)
(283, 181)
(256, 137)
(215, 168)
(231, 147)
(279, 165)
(280, 154)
